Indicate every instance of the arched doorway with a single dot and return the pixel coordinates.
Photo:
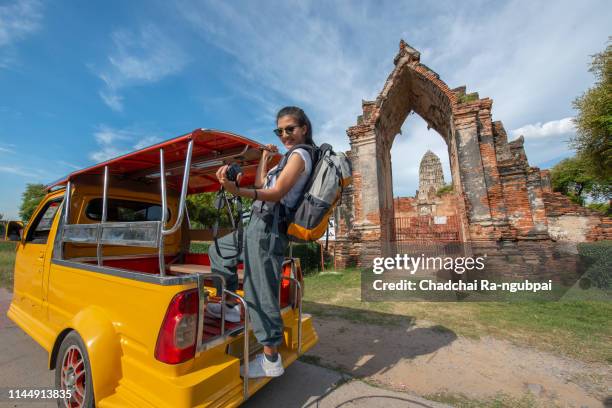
(490, 175)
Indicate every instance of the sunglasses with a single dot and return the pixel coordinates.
(289, 130)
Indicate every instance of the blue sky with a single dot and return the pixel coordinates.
(84, 81)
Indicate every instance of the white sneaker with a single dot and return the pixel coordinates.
(261, 367)
(232, 314)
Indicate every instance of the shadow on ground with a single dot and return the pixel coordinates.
(363, 343)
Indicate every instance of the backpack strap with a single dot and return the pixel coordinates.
(309, 148)
(275, 230)
(314, 156)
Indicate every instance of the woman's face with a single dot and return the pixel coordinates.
(297, 136)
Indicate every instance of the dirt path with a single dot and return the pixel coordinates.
(430, 360)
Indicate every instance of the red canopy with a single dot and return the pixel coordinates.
(211, 149)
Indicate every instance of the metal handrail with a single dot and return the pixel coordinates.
(67, 208)
(104, 214)
(223, 286)
(201, 302)
(245, 352)
(164, 209)
(179, 217)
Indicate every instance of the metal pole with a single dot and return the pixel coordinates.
(162, 178)
(322, 258)
(201, 301)
(245, 350)
(66, 217)
(104, 212)
(67, 209)
(179, 218)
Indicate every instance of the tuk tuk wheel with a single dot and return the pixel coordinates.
(73, 374)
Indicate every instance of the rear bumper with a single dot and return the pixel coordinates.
(217, 383)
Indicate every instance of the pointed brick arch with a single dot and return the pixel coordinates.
(500, 197)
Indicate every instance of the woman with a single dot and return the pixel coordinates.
(262, 264)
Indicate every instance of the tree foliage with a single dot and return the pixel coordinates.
(593, 139)
(203, 213)
(575, 178)
(31, 197)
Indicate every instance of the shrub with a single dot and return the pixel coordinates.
(198, 247)
(309, 254)
(596, 257)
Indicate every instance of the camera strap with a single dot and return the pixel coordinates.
(221, 200)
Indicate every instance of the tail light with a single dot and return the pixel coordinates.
(176, 341)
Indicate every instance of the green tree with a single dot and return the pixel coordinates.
(203, 213)
(31, 197)
(574, 177)
(593, 139)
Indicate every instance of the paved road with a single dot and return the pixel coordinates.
(23, 364)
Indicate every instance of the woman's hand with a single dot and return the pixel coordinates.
(228, 185)
(268, 152)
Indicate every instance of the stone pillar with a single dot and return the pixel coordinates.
(471, 171)
(367, 181)
(536, 202)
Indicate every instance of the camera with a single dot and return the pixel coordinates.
(232, 171)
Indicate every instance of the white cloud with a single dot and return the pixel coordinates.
(328, 58)
(106, 153)
(113, 142)
(304, 60)
(6, 150)
(18, 20)
(23, 172)
(543, 130)
(138, 57)
(109, 141)
(408, 150)
(107, 135)
(146, 142)
(546, 143)
(112, 99)
(69, 165)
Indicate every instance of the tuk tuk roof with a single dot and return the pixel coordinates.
(211, 149)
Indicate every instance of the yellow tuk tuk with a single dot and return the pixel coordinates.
(106, 283)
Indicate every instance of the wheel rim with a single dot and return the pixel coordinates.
(73, 377)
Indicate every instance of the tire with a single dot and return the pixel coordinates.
(73, 373)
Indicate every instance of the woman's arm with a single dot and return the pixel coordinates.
(286, 179)
(262, 166)
(260, 175)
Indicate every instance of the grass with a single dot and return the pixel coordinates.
(7, 262)
(579, 329)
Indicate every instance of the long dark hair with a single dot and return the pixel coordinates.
(299, 115)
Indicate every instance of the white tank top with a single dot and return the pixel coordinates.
(290, 199)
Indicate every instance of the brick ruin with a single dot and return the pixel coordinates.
(497, 196)
(432, 214)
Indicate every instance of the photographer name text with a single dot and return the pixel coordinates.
(475, 285)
